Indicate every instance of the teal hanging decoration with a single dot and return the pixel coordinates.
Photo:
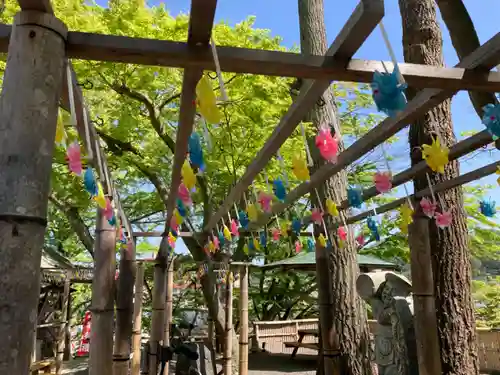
(354, 197)
(296, 226)
(243, 219)
(89, 182)
(310, 245)
(112, 221)
(372, 225)
(181, 208)
(388, 93)
(488, 208)
(263, 239)
(279, 189)
(491, 119)
(195, 151)
(222, 240)
(251, 246)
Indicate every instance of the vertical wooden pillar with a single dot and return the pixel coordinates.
(67, 335)
(103, 288)
(28, 113)
(228, 331)
(61, 337)
(426, 331)
(169, 304)
(137, 329)
(124, 310)
(158, 314)
(243, 357)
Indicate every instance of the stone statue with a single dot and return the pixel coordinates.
(389, 295)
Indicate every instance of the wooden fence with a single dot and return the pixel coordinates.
(272, 335)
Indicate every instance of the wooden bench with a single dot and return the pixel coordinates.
(45, 364)
(296, 345)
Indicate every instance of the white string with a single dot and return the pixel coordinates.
(319, 200)
(90, 154)
(430, 187)
(335, 123)
(99, 161)
(218, 71)
(71, 94)
(407, 196)
(283, 169)
(385, 158)
(308, 152)
(391, 51)
(267, 182)
(235, 209)
(208, 139)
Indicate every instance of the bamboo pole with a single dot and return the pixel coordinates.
(228, 332)
(169, 305)
(103, 288)
(124, 311)
(67, 335)
(61, 337)
(426, 331)
(243, 357)
(158, 314)
(136, 332)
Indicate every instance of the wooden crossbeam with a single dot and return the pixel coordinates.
(484, 58)
(124, 49)
(200, 30)
(363, 20)
(38, 5)
(445, 185)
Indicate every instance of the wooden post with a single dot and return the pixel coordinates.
(137, 329)
(243, 360)
(61, 338)
(124, 311)
(169, 304)
(158, 314)
(103, 287)
(28, 113)
(67, 328)
(228, 332)
(426, 331)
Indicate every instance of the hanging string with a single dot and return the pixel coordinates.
(283, 169)
(208, 139)
(308, 152)
(408, 196)
(218, 71)
(391, 51)
(99, 160)
(90, 153)
(335, 123)
(430, 188)
(269, 189)
(71, 94)
(386, 159)
(321, 208)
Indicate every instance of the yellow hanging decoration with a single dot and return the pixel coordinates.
(331, 208)
(252, 213)
(406, 213)
(284, 225)
(207, 101)
(435, 155)
(256, 244)
(245, 249)
(178, 218)
(227, 233)
(171, 238)
(498, 172)
(299, 167)
(60, 132)
(211, 246)
(188, 176)
(100, 198)
(322, 240)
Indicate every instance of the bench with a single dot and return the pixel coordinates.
(45, 364)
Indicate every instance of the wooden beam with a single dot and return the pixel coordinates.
(484, 58)
(200, 30)
(364, 19)
(130, 50)
(38, 5)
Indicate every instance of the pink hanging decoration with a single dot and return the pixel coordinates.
(174, 225)
(443, 219)
(428, 207)
(382, 181)
(298, 246)
(317, 216)
(360, 240)
(341, 232)
(265, 200)
(234, 228)
(171, 241)
(216, 242)
(184, 196)
(276, 234)
(74, 158)
(327, 145)
(108, 211)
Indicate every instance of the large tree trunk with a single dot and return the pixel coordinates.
(422, 43)
(345, 314)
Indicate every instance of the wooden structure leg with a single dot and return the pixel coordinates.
(158, 315)
(426, 331)
(169, 305)
(61, 338)
(28, 113)
(228, 331)
(67, 329)
(137, 328)
(101, 334)
(243, 355)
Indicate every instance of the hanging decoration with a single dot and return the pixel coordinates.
(354, 197)
(317, 216)
(296, 226)
(327, 144)
(299, 168)
(207, 101)
(284, 227)
(382, 181)
(428, 207)
(265, 200)
(298, 246)
(180, 208)
(342, 233)
(491, 119)
(171, 240)
(331, 208)
(443, 219)
(263, 239)
(252, 212)
(360, 239)
(216, 242)
(435, 155)
(89, 182)
(405, 212)
(227, 233)
(196, 151)
(488, 208)
(373, 227)
(60, 132)
(310, 244)
(100, 198)
(498, 173)
(243, 219)
(322, 240)
(184, 195)
(188, 176)
(279, 189)
(256, 244)
(74, 158)
(222, 239)
(275, 232)
(234, 228)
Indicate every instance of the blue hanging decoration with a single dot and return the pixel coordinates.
(181, 208)
(296, 226)
(263, 239)
(195, 151)
(388, 93)
(112, 221)
(243, 219)
(222, 240)
(279, 189)
(310, 245)
(251, 246)
(372, 225)
(488, 208)
(89, 182)
(174, 233)
(354, 197)
(329, 244)
(491, 119)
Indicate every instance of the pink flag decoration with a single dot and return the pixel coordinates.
(171, 240)
(265, 200)
(234, 228)
(317, 216)
(184, 196)
(428, 207)
(382, 181)
(443, 219)
(360, 240)
(74, 158)
(276, 234)
(174, 225)
(216, 242)
(341, 232)
(298, 246)
(327, 145)
(108, 211)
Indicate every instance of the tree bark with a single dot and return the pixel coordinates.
(28, 112)
(343, 323)
(243, 339)
(422, 41)
(137, 330)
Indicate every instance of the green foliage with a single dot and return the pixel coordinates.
(487, 298)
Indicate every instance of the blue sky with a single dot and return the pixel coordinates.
(281, 18)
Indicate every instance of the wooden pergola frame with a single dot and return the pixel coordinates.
(472, 73)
